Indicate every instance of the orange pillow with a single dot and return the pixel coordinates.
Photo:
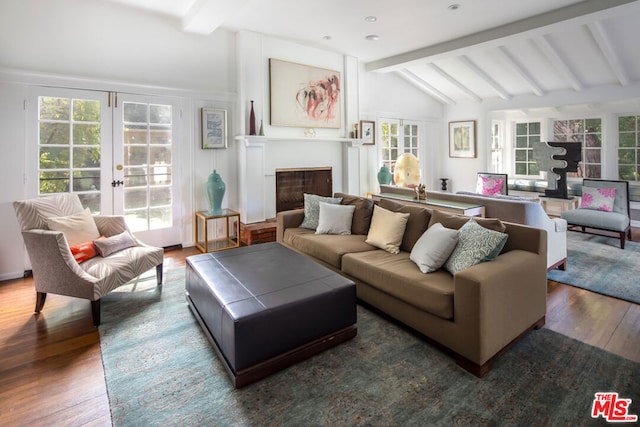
(84, 251)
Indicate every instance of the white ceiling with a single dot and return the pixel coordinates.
(484, 49)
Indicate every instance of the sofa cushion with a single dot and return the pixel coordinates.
(433, 249)
(312, 209)
(387, 229)
(335, 219)
(362, 214)
(476, 244)
(77, 228)
(416, 225)
(456, 221)
(600, 199)
(597, 219)
(328, 248)
(397, 275)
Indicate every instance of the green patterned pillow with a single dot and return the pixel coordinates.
(476, 244)
(312, 209)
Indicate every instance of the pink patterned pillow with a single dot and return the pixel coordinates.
(600, 199)
(490, 186)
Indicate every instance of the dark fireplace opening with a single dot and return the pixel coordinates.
(291, 184)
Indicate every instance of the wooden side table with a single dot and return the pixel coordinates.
(565, 204)
(203, 243)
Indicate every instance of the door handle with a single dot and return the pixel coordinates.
(115, 183)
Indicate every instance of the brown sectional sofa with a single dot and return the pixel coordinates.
(475, 313)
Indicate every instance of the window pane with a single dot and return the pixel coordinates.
(86, 134)
(521, 169)
(54, 133)
(521, 129)
(54, 108)
(160, 135)
(54, 182)
(160, 155)
(533, 169)
(135, 198)
(534, 128)
(86, 157)
(592, 171)
(627, 139)
(54, 158)
(135, 113)
(593, 125)
(135, 134)
(86, 180)
(135, 156)
(521, 155)
(522, 142)
(160, 196)
(160, 175)
(627, 157)
(160, 217)
(91, 201)
(160, 114)
(592, 140)
(627, 123)
(86, 111)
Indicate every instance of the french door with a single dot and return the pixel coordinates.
(116, 151)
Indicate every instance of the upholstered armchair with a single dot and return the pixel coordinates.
(96, 267)
(604, 206)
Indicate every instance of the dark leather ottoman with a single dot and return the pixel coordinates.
(266, 307)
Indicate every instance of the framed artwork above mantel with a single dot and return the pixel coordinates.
(304, 96)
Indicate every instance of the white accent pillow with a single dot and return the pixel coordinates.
(312, 209)
(335, 219)
(77, 228)
(434, 247)
(387, 229)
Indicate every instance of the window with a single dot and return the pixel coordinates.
(589, 133)
(398, 137)
(496, 146)
(526, 135)
(628, 148)
(69, 137)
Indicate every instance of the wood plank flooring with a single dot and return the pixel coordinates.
(51, 367)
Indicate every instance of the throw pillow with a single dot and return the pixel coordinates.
(456, 221)
(490, 186)
(335, 219)
(77, 228)
(416, 224)
(362, 214)
(476, 244)
(600, 199)
(387, 229)
(113, 244)
(312, 209)
(83, 251)
(434, 247)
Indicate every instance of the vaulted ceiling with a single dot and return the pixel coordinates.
(454, 50)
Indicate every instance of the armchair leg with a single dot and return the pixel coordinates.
(622, 239)
(159, 274)
(95, 312)
(40, 298)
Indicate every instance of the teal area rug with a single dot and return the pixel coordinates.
(597, 263)
(162, 371)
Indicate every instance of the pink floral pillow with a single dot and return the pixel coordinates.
(490, 186)
(600, 199)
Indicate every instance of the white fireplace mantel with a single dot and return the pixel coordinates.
(260, 156)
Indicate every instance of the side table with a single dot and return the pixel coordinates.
(203, 243)
(565, 204)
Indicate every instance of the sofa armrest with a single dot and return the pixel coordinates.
(500, 299)
(52, 263)
(287, 219)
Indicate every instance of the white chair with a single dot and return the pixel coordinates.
(55, 270)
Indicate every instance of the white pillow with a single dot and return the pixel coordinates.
(335, 219)
(434, 247)
(77, 228)
(387, 229)
(113, 244)
(312, 209)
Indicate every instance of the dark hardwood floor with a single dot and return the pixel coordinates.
(51, 367)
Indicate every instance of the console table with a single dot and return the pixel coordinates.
(460, 208)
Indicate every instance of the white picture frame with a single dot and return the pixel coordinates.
(214, 128)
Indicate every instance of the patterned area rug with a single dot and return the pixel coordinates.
(597, 263)
(161, 370)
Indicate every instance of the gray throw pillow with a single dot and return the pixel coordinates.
(335, 219)
(312, 209)
(434, 247)
(476, 244)
(113, 244)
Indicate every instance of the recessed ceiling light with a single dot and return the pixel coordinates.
(373, 37)
(371, 19)
(454, 6)
(326, 38)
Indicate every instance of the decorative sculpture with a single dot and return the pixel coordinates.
(407, 171)
(557, 158)
(421, 192)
